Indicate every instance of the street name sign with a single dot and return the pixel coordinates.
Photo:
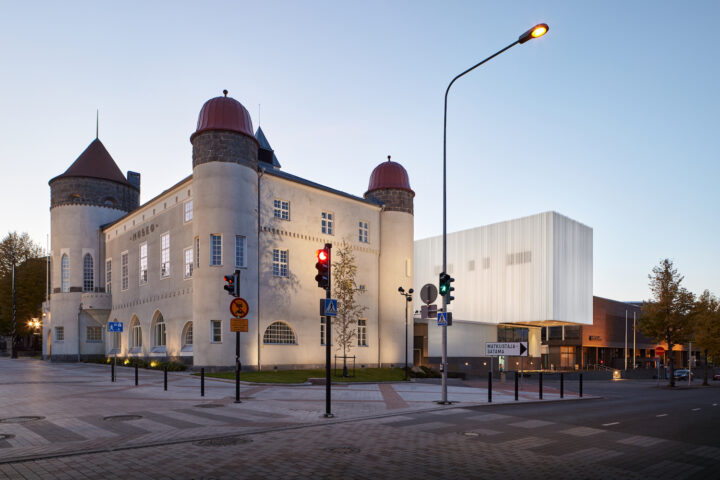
(238, 324)
(115, 326)
(511, 349)
(239, 307)
(328, 307)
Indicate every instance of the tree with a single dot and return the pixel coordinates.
(706, 322)
(15, 249)
(667, 316)
(344, 270)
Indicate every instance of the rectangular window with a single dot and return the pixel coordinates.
(188, 262)
(280, 263)
(567, 357)
(93, 334)
(363, 232)
(240, 251)
(215, 331)
(165, 255)
(281, 209)
(215, 250)
(59, 334)
(188, 211)
(143, 264)
(322, 331)
(327, 223)
(362, 333)
(108, 276)
(124, 268)
(197, 252)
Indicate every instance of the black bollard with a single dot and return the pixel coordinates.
(489, 387)
(165, 378)
(136, 374)
(540, 386)
(516, 386)
(202, 382)
(112, 372)
(581, 384)
(562, 385)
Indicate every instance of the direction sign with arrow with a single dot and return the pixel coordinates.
(511, 349)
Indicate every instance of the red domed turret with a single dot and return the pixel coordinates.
(224, 113)
(389, 175)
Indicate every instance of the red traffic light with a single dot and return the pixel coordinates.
(322, 255)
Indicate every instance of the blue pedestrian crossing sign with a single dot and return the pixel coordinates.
(442, 319)
(330, 309)
(115, 326)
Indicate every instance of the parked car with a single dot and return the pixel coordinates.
(716, 376)
(682, 374)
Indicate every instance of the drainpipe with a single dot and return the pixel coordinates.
(261, 172)
(80, 307)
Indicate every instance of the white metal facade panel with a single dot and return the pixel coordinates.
(572, 271)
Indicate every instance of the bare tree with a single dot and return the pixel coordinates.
(344, 270)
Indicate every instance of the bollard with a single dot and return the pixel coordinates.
(136, 374)
(562, 385)
(581, 384)
(112, 372)
(540, 386)
(165, 378)
(202, 382)
(516, 386)
(489, 387)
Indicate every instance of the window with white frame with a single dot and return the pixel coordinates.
(135, 333)
(215, 331)
(59, 334)
(124, 270)
(362, 332)
(327, 223)
(88, 273)
(215, 250)
(187, 337)
(197, 252)
(188, 211)
(188, 255)
(280, 263)
(281, 209)
(143, 264)
(108, 276)
(165, 255)
(65, 273)
(159, 331)
(279, 333)
(240, 243)
(93, 334)
(363, 231)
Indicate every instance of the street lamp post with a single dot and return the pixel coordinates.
(408, 299)
(537, 31)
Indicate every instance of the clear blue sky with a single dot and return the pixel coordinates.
(611, 119)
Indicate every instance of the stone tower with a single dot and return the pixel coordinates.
(389, 186)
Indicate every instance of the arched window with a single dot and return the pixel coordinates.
(135, 333)
(187, 337)
(88, 273)
(65, 273)
(158, 331)
(279, 333)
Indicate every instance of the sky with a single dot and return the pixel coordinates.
(610, 119)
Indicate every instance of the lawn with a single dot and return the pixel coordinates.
(300, 376)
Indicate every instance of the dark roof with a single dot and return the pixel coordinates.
(265, 145)
(296, 179)
(96, 162)
(389, 175)
(224, 113)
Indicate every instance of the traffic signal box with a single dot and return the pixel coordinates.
(232, 284)
(446, 287)
(323, 267)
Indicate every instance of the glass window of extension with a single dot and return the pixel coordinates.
(124, 271)
(280, 263)
(327, 223)
(240, 243)
(362, 332)
(215, 331)
(65, 273)
(143, 264)
(93, 334)
(188, 256)
(88, 273)
(165, 255)
(363, 231)
(215, 250)
(108, 276)
(279, 333)
(188, 215)
(281, 209)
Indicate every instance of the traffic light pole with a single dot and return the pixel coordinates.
(328, 339)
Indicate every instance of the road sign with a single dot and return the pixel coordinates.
(328, 307)
(239, 307)
(444, 319)
(428, 293)
(511, 349)
(115, 326)
(659, 351)
(238, 324)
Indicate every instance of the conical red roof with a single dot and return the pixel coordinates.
(389, 175)
(95, 162)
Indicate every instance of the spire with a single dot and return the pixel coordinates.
(97, 124)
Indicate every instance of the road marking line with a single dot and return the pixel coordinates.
(694, 409)
(610, 424)
(662, 415)
(714, 404)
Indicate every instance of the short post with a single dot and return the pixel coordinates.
(540, 386)
(165, 378)
(581, 384)
(237, 367)
(136, 374)
(202, 382)
(562, 385)
(489, 387)
(112, 372)
(516, 386)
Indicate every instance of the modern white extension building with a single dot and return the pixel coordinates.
(158, 267)
(511, 279)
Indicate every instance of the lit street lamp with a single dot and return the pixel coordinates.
(408, 299)
(537, 31)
